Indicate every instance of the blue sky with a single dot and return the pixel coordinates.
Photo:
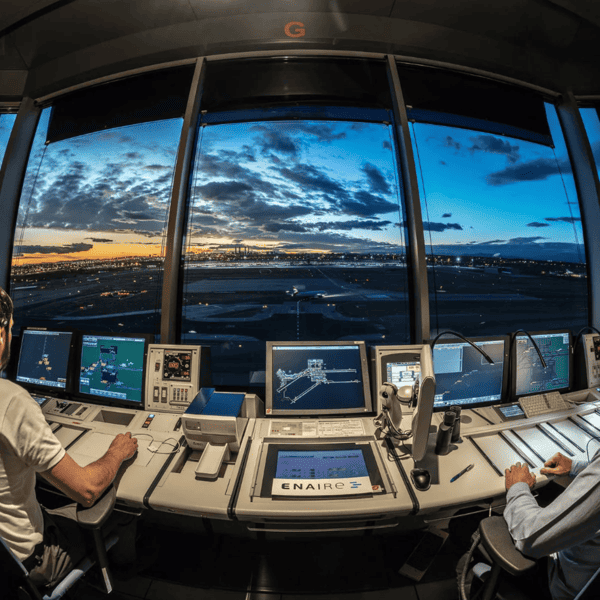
(6, 125)
(488, 195)
(299, 186)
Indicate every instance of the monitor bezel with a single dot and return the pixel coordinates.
(365, 410)
(505, 371)
(70, 374)
(104, 400)
(513, 362)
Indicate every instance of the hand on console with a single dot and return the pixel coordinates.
(557, 465)
(517, 473)
(124, 446)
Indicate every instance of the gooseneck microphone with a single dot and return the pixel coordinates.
(534, 345)
(462, 337)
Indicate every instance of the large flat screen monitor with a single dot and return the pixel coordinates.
(44, 359)
(464, 377)
(317, 378)
(112, 368)
(528, 374)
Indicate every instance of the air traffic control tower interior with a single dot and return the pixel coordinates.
(319, 257)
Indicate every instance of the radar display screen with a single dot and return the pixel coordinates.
(112, 367)
(177, 366)
(531, 377)
(464, 377)
(317, 378)
(44, 358)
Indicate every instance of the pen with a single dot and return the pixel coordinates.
(462, 472)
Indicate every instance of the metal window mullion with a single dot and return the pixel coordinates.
(585, 174)
(12, 175)
(175, 229)
(406, 159)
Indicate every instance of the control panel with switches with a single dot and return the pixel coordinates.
(588, 366)
(174, 374)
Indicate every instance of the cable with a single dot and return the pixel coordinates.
(176, 446)
(532, 342)
(463, 574)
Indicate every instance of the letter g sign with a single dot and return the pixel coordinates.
(297, 31)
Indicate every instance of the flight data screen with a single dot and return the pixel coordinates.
(317, 377)
(464, 377)
(44, 358)
(112, 367)
(531, 377)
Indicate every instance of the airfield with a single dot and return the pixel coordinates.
(235, 308)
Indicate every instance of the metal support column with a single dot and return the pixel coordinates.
(175, 229)
(11, 180)
(585, 174)
(406, 159)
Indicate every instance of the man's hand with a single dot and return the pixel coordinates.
(124, 446)
(518, 473)
(557, 465)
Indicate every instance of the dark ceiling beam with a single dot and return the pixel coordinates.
(19, 20)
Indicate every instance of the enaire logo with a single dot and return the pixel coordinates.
(314, 486)
(295, 29)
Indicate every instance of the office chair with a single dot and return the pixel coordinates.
(88, 518)
(498, 546)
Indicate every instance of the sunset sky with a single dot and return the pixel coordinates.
(293, 186)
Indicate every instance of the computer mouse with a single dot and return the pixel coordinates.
(421, 479)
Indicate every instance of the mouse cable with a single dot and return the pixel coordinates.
(176, 445)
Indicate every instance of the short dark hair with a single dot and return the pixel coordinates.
(6, 309)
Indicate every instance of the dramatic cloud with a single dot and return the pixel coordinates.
(99, 240)
(536, 224)
(494, 145)
(450, 142)
(446, 215)
(275, 140)
(562, 219)
(312, 179)
(535, 170)
(66, 249)
(428, 226)
(357, 224)
(276, 227)
(367, 205)
(376, 180)
(525, 240)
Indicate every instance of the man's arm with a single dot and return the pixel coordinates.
(572, 518)
(86, 484)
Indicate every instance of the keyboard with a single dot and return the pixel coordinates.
(543, 403)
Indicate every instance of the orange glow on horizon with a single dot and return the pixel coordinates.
(98, 252)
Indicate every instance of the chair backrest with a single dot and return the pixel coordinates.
(591, 591)
(13, 576)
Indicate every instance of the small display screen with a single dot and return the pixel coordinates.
(531, 376)
(403, 374)
(464, 377)
(320, 378)
(330, 472)
(511, 410)
(44, 358)
(112, 367)
(177, 365)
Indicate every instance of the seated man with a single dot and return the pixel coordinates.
(567, 530)
(48, 542)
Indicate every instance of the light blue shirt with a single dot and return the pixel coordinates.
(569, 527)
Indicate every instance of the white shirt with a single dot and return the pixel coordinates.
(27, 446)
(569, 526)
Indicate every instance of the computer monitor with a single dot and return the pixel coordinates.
(464, 377)
(317, 378)
(112, 368)
(528, 374)
(44, 359)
